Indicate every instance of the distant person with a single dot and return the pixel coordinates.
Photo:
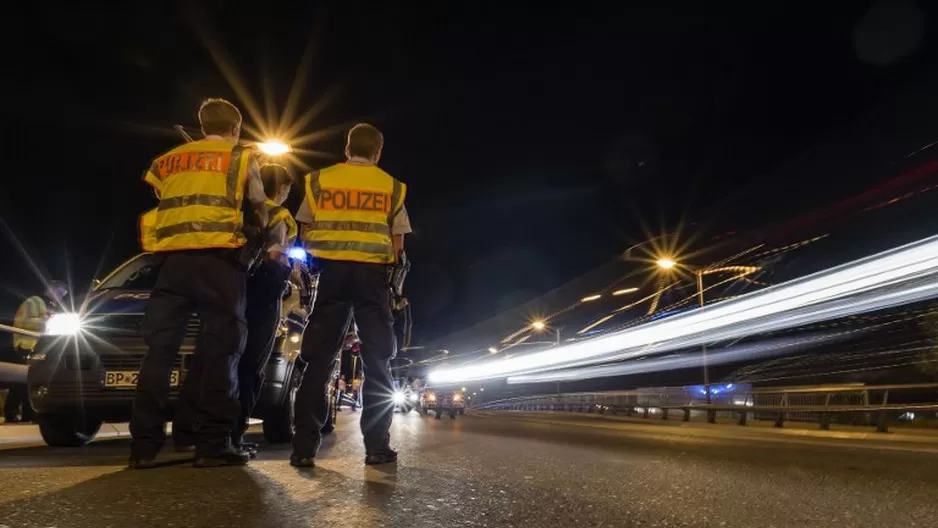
(31, 315)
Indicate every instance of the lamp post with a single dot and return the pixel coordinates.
(667, 264)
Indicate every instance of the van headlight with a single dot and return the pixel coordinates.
(63, 324)
(398, 397)
(413, 397)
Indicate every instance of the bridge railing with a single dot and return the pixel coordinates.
(854, 404)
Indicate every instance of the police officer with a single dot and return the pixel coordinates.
(198, 228)
(31, 315)
(265, 289)
(265, 297)
(354, 224)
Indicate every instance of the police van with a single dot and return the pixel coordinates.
(84, 369)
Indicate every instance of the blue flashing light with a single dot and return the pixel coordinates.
(297, 253)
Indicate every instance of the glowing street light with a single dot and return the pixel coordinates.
(665, 263)
(492, 350)
(590, 298)
(538, 325)
(274, 148)
(625, 291)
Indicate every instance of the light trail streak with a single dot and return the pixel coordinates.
(898, 276)
(683, 361)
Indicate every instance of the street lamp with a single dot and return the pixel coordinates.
(493, 350)
(274, 148)
(538, 325)
(668, 264)
(590, 298)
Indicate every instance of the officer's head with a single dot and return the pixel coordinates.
(277, 181)
(56, 291)
(364, 141)
(218, 117)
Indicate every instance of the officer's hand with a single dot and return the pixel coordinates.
(296, 276)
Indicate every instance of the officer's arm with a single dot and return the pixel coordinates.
(277, 243)
(400, 226)
(256, 214)
(304, 217)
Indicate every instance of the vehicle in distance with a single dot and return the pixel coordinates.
(451, 403)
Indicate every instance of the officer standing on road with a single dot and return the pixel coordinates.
(265, 289)
(198, 227)
(31, 315)
(265, 297)
(354, 224)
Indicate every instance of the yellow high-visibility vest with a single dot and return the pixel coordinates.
(201, 186)
(276, 214)
(148, 230)
(352, 206)
(29, 316)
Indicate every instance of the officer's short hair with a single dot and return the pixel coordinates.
(274, 177)
(218, 117)
(364, 140)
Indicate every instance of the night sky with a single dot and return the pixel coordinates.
(537, 142)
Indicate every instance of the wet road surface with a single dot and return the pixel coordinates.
(507, 470)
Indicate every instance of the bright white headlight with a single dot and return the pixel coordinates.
(63, 324)
(398, 397)
(413, 397)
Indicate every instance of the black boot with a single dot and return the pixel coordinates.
(229, 456)
(385, 456)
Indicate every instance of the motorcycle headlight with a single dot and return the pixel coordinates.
(413, 397)
(398, 398)
(63, 324)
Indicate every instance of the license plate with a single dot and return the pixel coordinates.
(127, 379)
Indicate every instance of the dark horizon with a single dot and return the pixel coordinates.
(535, 149)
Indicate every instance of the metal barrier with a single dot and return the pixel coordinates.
(815, 403)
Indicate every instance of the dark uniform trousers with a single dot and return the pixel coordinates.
(18, 396)
(265, 290)
(211, 284)
(345, 287)
(265, 300)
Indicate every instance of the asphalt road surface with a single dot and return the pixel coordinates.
(497, 471)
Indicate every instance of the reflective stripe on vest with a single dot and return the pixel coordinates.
(353, 207)
(201, 186)
(277, 214)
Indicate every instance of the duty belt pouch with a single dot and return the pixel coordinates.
(398, 273)
(250, 254)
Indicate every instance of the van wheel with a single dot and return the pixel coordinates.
(65, 430)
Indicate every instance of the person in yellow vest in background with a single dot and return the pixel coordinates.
(31, 315)
(354, 224)
(265, 290)
(201, 229)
